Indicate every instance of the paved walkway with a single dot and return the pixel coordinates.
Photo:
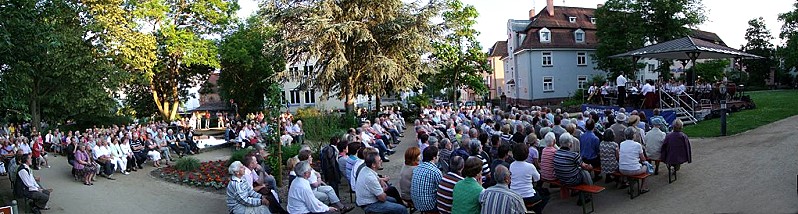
(135, 193)
(753, 172)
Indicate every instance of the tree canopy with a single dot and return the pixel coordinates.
(51, 67)
(758, 37)
(360, 46)
(250, 59)
(625, 25)
(458, 56)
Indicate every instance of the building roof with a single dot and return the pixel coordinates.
(212, 106)
(562, 29)
(678, 49)
(499, 49)
(706, 36)
(560, 18)
(519, 25)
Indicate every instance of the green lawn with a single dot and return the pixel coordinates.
(771, 106)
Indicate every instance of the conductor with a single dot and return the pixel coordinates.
(620, 82)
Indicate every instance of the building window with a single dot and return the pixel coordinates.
(581, 81)
(548, 84)
(572, 19)
(581, 58)
(593, 20)
(283, 100)
(547, 59)
(545, 35)
(579, 36)
(310, 97)
(294, 97)
(308, 69)
(651, 68)
(294, 72)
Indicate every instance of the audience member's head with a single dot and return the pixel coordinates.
(501, 174)
(411, 156)
(520, 152)
(430, 153)
(473, 167)
(456, 165)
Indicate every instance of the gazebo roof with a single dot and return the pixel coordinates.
(214, 106)
(678, 49)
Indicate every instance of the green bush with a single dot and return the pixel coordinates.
(187, 164)
(239, 155)
(288, 152)
(321, 127)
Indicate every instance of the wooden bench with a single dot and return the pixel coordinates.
(583, 189)
(633, 179)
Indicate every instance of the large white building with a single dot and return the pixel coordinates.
(298, 92)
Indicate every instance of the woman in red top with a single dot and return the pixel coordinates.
(38, 153)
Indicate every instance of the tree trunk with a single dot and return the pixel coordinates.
(36, 116)
(377, 102)
(349, 97)
(35, 113)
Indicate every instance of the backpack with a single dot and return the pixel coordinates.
(20, 189)
(329, 164)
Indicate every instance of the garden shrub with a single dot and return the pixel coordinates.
(187, 164)
(239, 155)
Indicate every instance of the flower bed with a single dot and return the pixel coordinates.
(211, 175)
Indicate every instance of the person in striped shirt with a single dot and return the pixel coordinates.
(446, 186)
(568, 166)
(547, 157)
(498, 198)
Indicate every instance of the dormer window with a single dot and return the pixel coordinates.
(545, 35)
(572, 19)
(593, 20)
(579, 36)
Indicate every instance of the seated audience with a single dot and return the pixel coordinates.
(446, 186)
(241, 198)
(370, 189)
(523, 176)
(631, 157)
(498, 199)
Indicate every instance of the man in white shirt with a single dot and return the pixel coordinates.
(620, 82)
(300, 195)
(320, 190)
(370, 189)
(649, 99)
(32, 189)
(297, 133)
(102, 155)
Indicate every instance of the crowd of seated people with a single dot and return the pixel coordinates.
(477, 160)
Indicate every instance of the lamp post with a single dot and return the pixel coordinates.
(723, 117)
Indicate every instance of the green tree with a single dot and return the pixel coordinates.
(165, 42)
(620, 29)
(360, 46)
(458, 56)
(788, 53)
(711, 70)
(250, 60)
(49, 68)
(758, 37)
(625, 25)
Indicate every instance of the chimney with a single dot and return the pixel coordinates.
(550, 7)
(532, 13)
(599, 6)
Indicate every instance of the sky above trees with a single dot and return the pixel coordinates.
(729, 21)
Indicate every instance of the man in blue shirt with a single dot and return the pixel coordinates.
(589, 147)
(425, 181)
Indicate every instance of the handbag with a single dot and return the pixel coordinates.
(650, 168)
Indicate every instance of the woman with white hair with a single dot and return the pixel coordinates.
(241, 198)
(547, 157)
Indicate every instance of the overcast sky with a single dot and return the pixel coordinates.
(727, 18)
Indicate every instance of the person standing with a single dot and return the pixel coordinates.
(620, 82)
